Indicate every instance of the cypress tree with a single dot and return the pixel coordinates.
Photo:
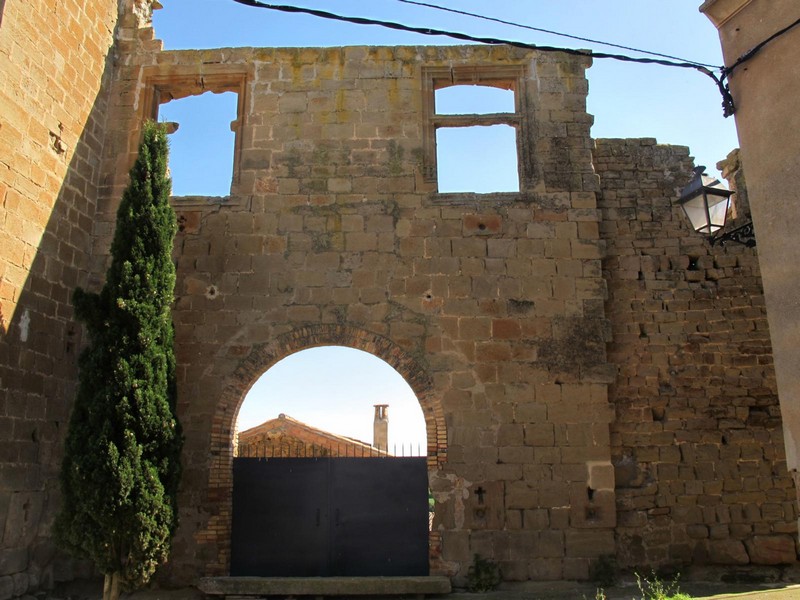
(121, 464)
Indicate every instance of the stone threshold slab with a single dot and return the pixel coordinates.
(323, 586)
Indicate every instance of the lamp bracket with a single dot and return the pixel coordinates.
(741, 235)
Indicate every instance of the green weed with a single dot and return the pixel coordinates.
(655, 588)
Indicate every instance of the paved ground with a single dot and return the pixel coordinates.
(527, 591)
(574, 591)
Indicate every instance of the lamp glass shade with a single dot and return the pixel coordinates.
(707, 212)
(706, 203)
(717, 211)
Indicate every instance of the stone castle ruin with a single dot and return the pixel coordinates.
(595, 368)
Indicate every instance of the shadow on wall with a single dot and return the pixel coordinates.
(39, 349)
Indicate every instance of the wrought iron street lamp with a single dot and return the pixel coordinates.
(705, 201)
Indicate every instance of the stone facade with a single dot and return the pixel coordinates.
(490, 306)
(595, 378)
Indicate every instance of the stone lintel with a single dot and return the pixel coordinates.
(323, 586)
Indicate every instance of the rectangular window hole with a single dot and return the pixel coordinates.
(474, 99)
(480, 159)
(201, 151)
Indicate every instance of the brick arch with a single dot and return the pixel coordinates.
(257, 362)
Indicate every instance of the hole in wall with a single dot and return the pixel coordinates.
(476, 137)
(474, 99)
(479, 159)
(201, 151)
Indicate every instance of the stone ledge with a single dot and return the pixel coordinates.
(323, 586)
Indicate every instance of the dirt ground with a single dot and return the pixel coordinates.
(92, 590)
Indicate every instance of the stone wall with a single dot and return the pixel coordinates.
(697, 444)
(491, 306)
(511, 315)
(52, 118)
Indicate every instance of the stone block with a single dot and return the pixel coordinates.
(20, 581)
(482, 224)
(13, 560)
(727, 552)
(589, 543)
(22, 522)
(6, 587)
(772, 549)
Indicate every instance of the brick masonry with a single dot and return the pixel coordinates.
(595, 368)
(53, 96)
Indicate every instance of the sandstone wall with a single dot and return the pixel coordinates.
(697, 444)
(496, 308)
(52, 114)
(491, 306)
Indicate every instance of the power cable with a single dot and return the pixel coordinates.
(551, 32)
(469, 38)
(753, 51)
(728, 106)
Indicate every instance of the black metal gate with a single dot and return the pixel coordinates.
(316, 517)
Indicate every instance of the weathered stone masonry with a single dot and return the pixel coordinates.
(579, 354)
(491, 306)
(54, 80)
(697, 441)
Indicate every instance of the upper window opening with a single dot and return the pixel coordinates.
(474, 99)
(473, 128)
(207, 102)
(201, 155)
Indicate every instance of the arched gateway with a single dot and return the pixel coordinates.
(259, 360)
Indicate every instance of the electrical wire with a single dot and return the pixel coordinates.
(551, 32)
(753, 51)
(469, 38)
(728, 106)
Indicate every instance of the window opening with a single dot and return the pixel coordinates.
(202, 148)
(220, 114)
(474, 99)
(473, 127)
(477, 159)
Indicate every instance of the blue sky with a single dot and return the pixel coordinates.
(675, 106)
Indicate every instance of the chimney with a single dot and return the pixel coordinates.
(380, 427)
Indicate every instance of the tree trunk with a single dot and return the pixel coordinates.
(111, 586)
